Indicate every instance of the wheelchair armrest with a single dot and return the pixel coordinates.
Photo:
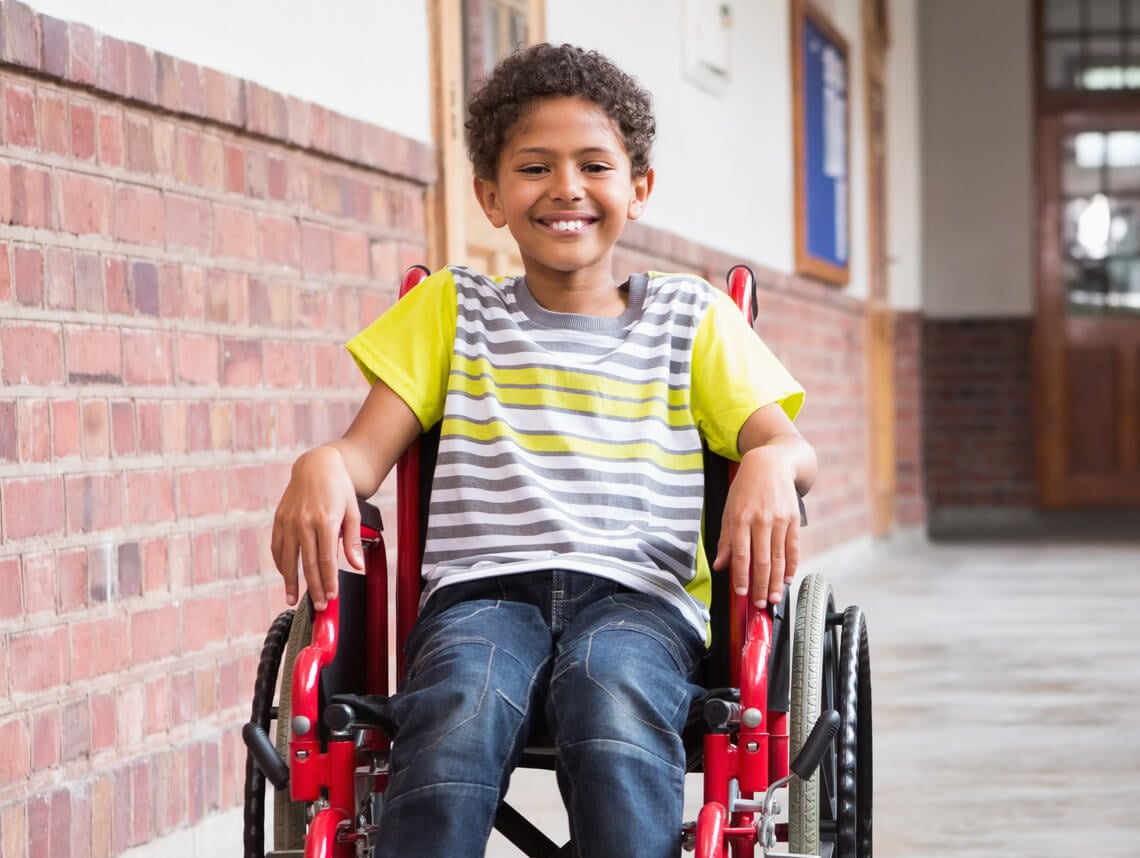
(370, 516)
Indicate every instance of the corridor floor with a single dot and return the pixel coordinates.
(1006, 700)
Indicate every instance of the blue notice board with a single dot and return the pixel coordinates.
(822, 146)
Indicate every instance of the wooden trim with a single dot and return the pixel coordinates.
(805, 263)
(445, 199)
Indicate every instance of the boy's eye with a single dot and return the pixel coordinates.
(533, 169)
(597, 168)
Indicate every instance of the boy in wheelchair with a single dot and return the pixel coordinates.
(564, 584)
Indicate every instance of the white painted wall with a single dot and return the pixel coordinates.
(724, 161)
(977, 145)
(904, 159)
(363, 58)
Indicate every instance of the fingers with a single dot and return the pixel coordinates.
(773, 582)
(285, 558)
(763, 560)
(353, 547)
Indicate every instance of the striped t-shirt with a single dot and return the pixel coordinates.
(573, 442)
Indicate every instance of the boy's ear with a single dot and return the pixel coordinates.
(642, 188)
(487, 193)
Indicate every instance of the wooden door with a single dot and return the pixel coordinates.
(467, 38)
(880, 318)
(1087, 336)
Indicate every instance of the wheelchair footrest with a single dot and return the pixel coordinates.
(361, 711)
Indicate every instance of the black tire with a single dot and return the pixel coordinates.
(853, 743)
(812, 805)
(290, 817)
(261, 713)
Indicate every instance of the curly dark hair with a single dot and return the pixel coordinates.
(544, 70)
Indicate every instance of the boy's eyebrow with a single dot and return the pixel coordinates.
(542, 150)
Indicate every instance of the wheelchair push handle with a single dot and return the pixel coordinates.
(807, 760)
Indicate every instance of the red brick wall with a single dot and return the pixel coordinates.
(819, 334)
(910, 483)
(977, 413)
(182, 256)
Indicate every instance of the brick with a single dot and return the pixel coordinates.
(13, 825)
(351, 253)
(82, 119)
(188, 156)
(94, 502)
(81, 820)
(45, 738)
(5, 256)
(96, 429)
(234, 160)
(31, 507)
(139, 215)
(86, 204)
(241, 362)
(9, 444)
(205, 558)
(144, 288)
(34, 430)
(83, 60)
(248, 489)
(31, 197)
(182, 702)
(154, 634)
(55, 51)
(89, 295)
(99, 647)
(115, 285)
(197, 359)
(20, 34)
(198, 427)
(15, 754)
(150, 426)
(59, 278)
(277, 186)
(155, 577)
(112, 65)
(72, 566)
(75, 731)
(94, 354)
(221, 426)
(28, 264)
(101, 573)
(39, 659)
(203, 623)
(11, 597)
(224, 97)
(168, 86)
(40, 587)
(201, 492)
(235, 232)
(316, 248)
(157, 700)
(103, 721)
(150, 497)
(162, 136)
(39, 827)
(170, 291)
(65, 428)
(121, 802)
(213, 163)
(55, 137)
(130, 570)
(141, 76)
(193, 292)
(256, 174)
(142, 812)
(217, 295)
(147, 357)
(188, 222)
(123, 438)
(139, 143)
(282, 362)
(20, 116)
(192, 98)
(111, 147)
(174, 427)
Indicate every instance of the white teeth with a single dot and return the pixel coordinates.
(567, 225)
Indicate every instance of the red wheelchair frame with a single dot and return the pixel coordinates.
(333, 745)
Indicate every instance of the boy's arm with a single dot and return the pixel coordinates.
(319, 503)
(760, 531)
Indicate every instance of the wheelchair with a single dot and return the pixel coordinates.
(788, 703)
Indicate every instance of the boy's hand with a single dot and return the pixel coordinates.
(319, 505)
(760, 531)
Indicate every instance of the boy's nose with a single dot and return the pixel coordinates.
(567, 185)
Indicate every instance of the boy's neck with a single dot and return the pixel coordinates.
(578, 293)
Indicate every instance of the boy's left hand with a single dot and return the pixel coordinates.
(760, 531)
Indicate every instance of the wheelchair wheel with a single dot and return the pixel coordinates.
(261, 714)
(812, 804)
(289, 817)
(853, 829)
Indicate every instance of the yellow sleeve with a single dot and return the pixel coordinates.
(409, 347)
(733, 374)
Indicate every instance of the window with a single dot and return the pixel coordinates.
(1090, 45)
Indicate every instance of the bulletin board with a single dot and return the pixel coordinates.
(821, 99)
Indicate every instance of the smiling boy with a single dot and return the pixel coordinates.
(564, 582)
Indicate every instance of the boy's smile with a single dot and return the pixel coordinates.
(565, 190)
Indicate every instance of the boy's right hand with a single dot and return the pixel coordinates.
(318, 506)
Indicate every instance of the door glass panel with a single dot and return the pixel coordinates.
(1100, 221)
(1104, 14)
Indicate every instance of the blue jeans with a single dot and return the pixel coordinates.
(609, 672)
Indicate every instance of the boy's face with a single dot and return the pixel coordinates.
(564, 189)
